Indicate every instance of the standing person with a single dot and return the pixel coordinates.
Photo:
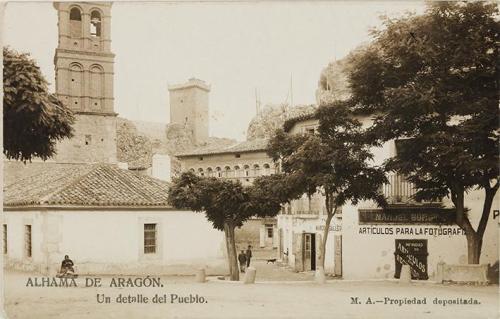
(242, 258)
(249, 255)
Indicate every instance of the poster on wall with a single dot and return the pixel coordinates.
(412, 252)
(249, 159)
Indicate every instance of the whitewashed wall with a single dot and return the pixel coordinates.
(16, 239)
(111, 241)
(368, 256)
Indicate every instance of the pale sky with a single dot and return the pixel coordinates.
(235, 47)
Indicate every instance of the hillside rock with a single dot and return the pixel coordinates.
(333, 83)
(138, 141)
(272, 118)
(132, 148)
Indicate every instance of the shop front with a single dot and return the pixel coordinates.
(300, 239)
(377, 242)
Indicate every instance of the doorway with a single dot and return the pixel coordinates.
(309, 251)
(269, 235)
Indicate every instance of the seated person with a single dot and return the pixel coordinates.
(67, 266)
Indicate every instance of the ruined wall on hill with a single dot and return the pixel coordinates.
(138, 142)
(273, 117)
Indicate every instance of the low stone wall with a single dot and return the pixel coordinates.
(476, 274)
(212, 268)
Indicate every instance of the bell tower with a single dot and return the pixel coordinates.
(84, 81)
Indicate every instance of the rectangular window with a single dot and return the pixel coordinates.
(269, 231)
(149, 238)
(4, 239)
(27, 240)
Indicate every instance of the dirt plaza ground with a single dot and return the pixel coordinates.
(274, 295)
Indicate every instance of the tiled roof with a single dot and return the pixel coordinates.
(51, 184)
(242, 147)
(304, 115)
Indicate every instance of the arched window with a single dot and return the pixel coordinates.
(75, 84)
(246, 170)
(237, 172)
(200, 172)
(192, 170)
(210, 172)
(75, 22)
(256, 170)
(218, 172)
(227, 172)
(96, 85)
(267, 169)
(75, 14)
(95, 23)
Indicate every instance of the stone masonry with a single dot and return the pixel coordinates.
(84, 81)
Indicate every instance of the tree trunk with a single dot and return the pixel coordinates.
(473, 248)
(322, 248)
(474, 238)
(488, 202)
(330, 211)
(231, 252)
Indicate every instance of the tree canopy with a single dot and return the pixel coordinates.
(432, 80)
(34, 119)
(227, 204)
(225, 201)
(335, 161)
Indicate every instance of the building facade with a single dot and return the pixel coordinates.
(189, 107)
(373, 242)
(243, 162)
(93, 213)
(84, 81)
(302, 222)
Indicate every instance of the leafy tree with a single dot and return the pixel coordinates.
(227, 204)
(334, 162)
(34, 120)
(434, 78)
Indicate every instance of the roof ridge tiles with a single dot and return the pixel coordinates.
(46, 199)
(98, 184)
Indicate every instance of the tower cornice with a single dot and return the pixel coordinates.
(86, 52)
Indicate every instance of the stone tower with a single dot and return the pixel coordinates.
(84, 81)
(189, 107)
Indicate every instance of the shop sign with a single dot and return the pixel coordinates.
(409, 215)
(331, 228)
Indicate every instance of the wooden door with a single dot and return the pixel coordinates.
(307, 251)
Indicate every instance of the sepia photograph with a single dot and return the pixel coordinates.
(250, 159)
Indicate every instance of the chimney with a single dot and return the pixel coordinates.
(161, 167)
(122, 165)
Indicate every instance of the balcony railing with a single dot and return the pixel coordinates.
(399, 189)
